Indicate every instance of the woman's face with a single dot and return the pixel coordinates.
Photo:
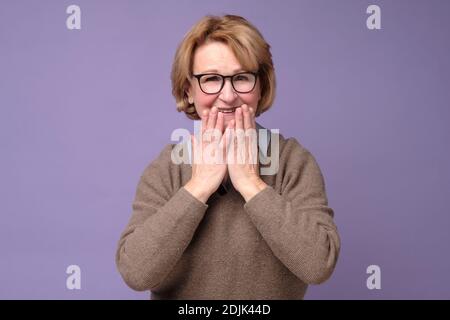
(217, 57)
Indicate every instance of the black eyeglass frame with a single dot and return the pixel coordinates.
(198, 76)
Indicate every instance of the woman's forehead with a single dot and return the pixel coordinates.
(217, 57)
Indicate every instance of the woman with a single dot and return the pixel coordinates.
(222, 230)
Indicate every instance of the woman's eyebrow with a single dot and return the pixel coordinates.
(215, 71)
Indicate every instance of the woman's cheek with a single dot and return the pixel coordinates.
(208, 103)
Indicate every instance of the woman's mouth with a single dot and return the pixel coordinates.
(227, 110)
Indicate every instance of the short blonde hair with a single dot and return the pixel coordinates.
(247, 44)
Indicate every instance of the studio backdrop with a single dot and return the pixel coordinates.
(86, 105)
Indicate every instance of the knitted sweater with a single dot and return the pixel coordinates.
(270, 247)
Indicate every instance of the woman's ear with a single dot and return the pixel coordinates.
(189, 95)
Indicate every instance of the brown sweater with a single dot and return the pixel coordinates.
(271, 247)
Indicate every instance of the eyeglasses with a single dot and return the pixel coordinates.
(212, 83)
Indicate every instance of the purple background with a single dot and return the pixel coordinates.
(83, 112)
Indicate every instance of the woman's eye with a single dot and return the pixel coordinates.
(241, 78)
(212, 78)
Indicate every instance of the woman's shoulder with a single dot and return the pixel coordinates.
(294, 156)
(162, 163)
(292, 147)
(279, 144)
(163, 157)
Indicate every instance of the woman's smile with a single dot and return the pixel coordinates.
(227, 110)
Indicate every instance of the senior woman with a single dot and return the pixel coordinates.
(222, 230)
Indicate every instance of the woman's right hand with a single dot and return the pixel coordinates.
(208, 171)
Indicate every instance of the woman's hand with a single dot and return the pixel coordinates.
(208, 157)
(243, 163)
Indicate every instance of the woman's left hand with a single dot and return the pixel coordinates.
(243, 164)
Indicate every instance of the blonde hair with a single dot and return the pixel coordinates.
(247, 44)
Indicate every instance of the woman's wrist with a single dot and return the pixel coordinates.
(197, 190)
(252, 188)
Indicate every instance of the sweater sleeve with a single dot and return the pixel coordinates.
(297, 223)
(162, 225)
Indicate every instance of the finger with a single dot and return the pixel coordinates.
(219, 123)
(251, 145)
(212, 118)
(239, 139)
(219, 131)
(253, 117)
(250, 132)
(204, 120)
(193, 141)
(239, 119)
(229, 137)
(224, 140)
(194, 150)
(247, 117)
(247, 150)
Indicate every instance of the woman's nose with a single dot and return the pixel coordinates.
(228, 94)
